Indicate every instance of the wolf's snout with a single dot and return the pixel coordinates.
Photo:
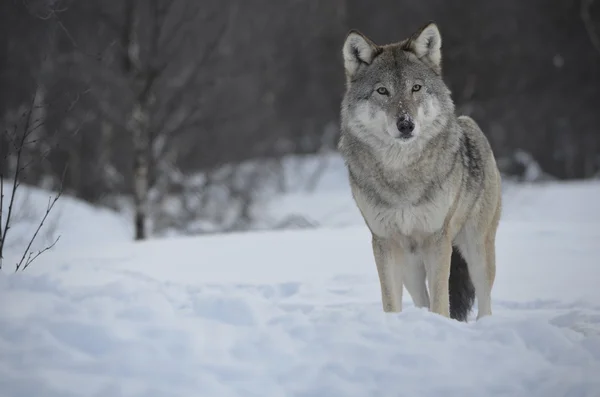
(405, 126)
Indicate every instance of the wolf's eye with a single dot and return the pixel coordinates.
(416, 87)
(383, 91)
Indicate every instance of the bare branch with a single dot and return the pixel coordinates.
(159, 23)
(209, 49)
(28, 256)
(19, 148)
(589, 25)
(178, 97)
(51, 11)
(18, 141)
(53, 14)
(195, 120)
(31, 258)
(1, 212)
(165, 38)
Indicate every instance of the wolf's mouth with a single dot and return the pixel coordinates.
(405, 136)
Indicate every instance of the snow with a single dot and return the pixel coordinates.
(331, 203)
(298, 312)
(76, 223)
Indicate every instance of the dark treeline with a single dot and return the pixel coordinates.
(133, 96)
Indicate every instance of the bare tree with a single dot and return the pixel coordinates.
(153, 75)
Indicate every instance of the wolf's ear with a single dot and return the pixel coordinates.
(358, 49)
(426, 44)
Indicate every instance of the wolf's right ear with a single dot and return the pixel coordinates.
(358, 49)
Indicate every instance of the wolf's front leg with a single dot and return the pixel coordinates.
(414, 277)
(390, 273)
(437, 263)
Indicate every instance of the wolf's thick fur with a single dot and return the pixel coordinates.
(425, 180)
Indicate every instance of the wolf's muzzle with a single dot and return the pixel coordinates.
(406, 126)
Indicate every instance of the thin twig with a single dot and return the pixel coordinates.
(51, 202)
(1, 212)
(30, 259)
(19, 149)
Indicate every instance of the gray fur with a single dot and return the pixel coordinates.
(424, 195)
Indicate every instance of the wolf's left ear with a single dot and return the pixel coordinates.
(358, 49)
(426, 44)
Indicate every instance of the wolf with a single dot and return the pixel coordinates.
(424, 179)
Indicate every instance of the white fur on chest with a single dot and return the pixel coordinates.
(404, 219)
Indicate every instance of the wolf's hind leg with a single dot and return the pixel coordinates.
(479, 253)
(390, 273)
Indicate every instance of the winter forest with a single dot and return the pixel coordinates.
(182, 111)
(176, 219)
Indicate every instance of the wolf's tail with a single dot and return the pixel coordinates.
(462, 291)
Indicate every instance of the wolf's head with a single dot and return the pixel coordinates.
(396, 91)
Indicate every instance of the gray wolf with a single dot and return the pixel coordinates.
(424, 179)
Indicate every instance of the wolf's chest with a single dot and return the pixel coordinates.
(401, 217)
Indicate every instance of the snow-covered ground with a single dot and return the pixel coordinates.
(331, 203)
(297, 312)
(73, 221)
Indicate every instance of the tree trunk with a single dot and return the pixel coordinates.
(139, 133)
(139, 122)
(105, 157)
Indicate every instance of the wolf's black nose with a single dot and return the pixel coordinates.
(405, 125)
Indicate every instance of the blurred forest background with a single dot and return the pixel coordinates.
(187, 108)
